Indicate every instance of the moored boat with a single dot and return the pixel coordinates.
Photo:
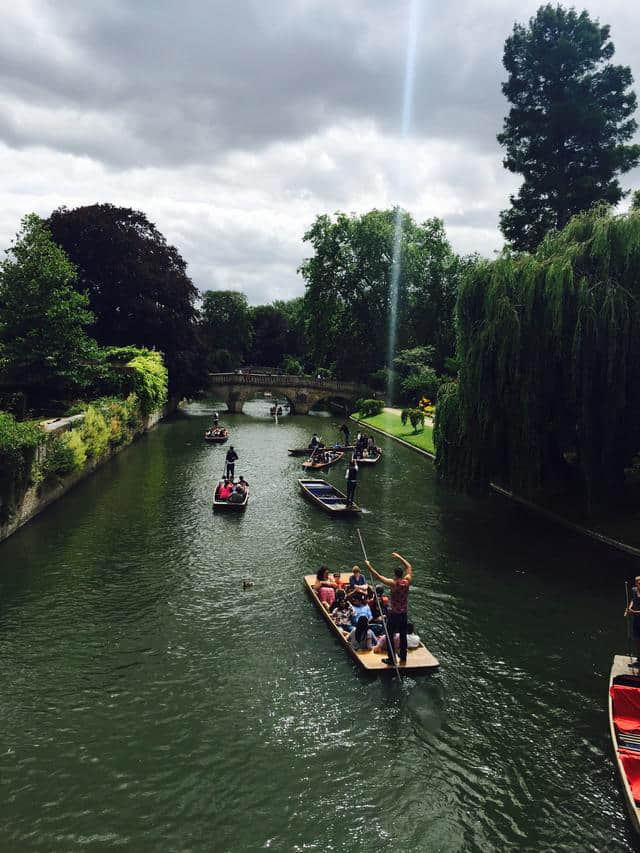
(217, 436)
(305, 451)
(418, 660)
(624, 726)
(323, 459)
(327, 497)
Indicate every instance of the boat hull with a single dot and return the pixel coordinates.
(327, 497)
(621, 672)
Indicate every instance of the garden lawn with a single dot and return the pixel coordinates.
(390, 423)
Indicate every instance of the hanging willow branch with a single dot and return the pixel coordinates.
(549, 347)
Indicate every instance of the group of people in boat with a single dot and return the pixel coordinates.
(217, 432)
(231, 491)
(360, 611)
(365, 447)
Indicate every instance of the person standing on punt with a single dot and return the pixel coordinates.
(352, 481)
(230, 459)
(344, 429)
(399, 600)
(633, 611)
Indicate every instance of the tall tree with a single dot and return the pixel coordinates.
(568, 124)
(225, 328)
(44, 347)
(347, 299)
(137, 285)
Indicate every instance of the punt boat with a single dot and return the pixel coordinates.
(370, 460)
(230, 506)
(418, 660)
(316, 465)
(327, 497)
(624, 725)
(218, 437)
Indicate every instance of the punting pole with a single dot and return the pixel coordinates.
(626, 597)
(390, 649)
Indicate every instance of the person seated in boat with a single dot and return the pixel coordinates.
(413, 641)
(216, 494)
(324, 587)
(362, 637)
(337, 581)
(209, 433)
(356, 578)
(361, 608)
(225, 491)
(341, 611)
(237, 494)
(373, 603)
(242, 484)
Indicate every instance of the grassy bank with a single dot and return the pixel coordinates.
(390, 423)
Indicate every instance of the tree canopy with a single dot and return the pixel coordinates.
(549, 349)
(347, 298)
(137, 284)
(568, 124)
(44, 346)
(225, 328)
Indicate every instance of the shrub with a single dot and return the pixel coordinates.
(415, 416)
(75, 444)
(291, 366)
(424, 383)
(141, 371)
(369, 408)
(94, 433)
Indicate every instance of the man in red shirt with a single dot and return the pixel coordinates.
(399, 595)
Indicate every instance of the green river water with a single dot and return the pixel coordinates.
(148, 703)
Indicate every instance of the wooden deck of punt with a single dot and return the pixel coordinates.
(327, 497)
(226, 506)
(418, 660)
(622, 673)
(317, 466)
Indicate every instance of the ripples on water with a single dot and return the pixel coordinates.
(149, 703)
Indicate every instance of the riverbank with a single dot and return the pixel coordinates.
(44, 492)
(388, 422)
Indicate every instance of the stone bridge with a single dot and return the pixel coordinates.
(302, 392)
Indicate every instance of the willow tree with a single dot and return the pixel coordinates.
(549, 346)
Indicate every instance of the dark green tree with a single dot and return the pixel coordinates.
(549, 348)
(568, 124)
(270, 335)
(225, 328)
(44, 347)
(137, 284)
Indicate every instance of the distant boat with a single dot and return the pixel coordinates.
(376, 456)
(624, 726)
(327, 497)
(418, 660)
(217, 436)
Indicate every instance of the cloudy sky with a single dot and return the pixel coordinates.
(233, 124)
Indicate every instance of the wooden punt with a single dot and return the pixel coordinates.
(305, 451)
(317, 466)
(369, 460)
(624, 726)
(327, 497)
(418, 660)
(230, 506)
(217, 439)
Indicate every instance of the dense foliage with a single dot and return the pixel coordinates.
(137, 284)
(569, 123)
(139, 371)
(225, 329)
(44, 347)
(549, 347)
(347, 299)
(369, 408)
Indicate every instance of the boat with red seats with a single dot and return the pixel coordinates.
(624, 724)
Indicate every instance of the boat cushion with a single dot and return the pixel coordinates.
(626, 707)
(631, 763)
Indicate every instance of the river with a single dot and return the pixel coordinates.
(150, 703)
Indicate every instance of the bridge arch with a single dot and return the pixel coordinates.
(302, 392)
